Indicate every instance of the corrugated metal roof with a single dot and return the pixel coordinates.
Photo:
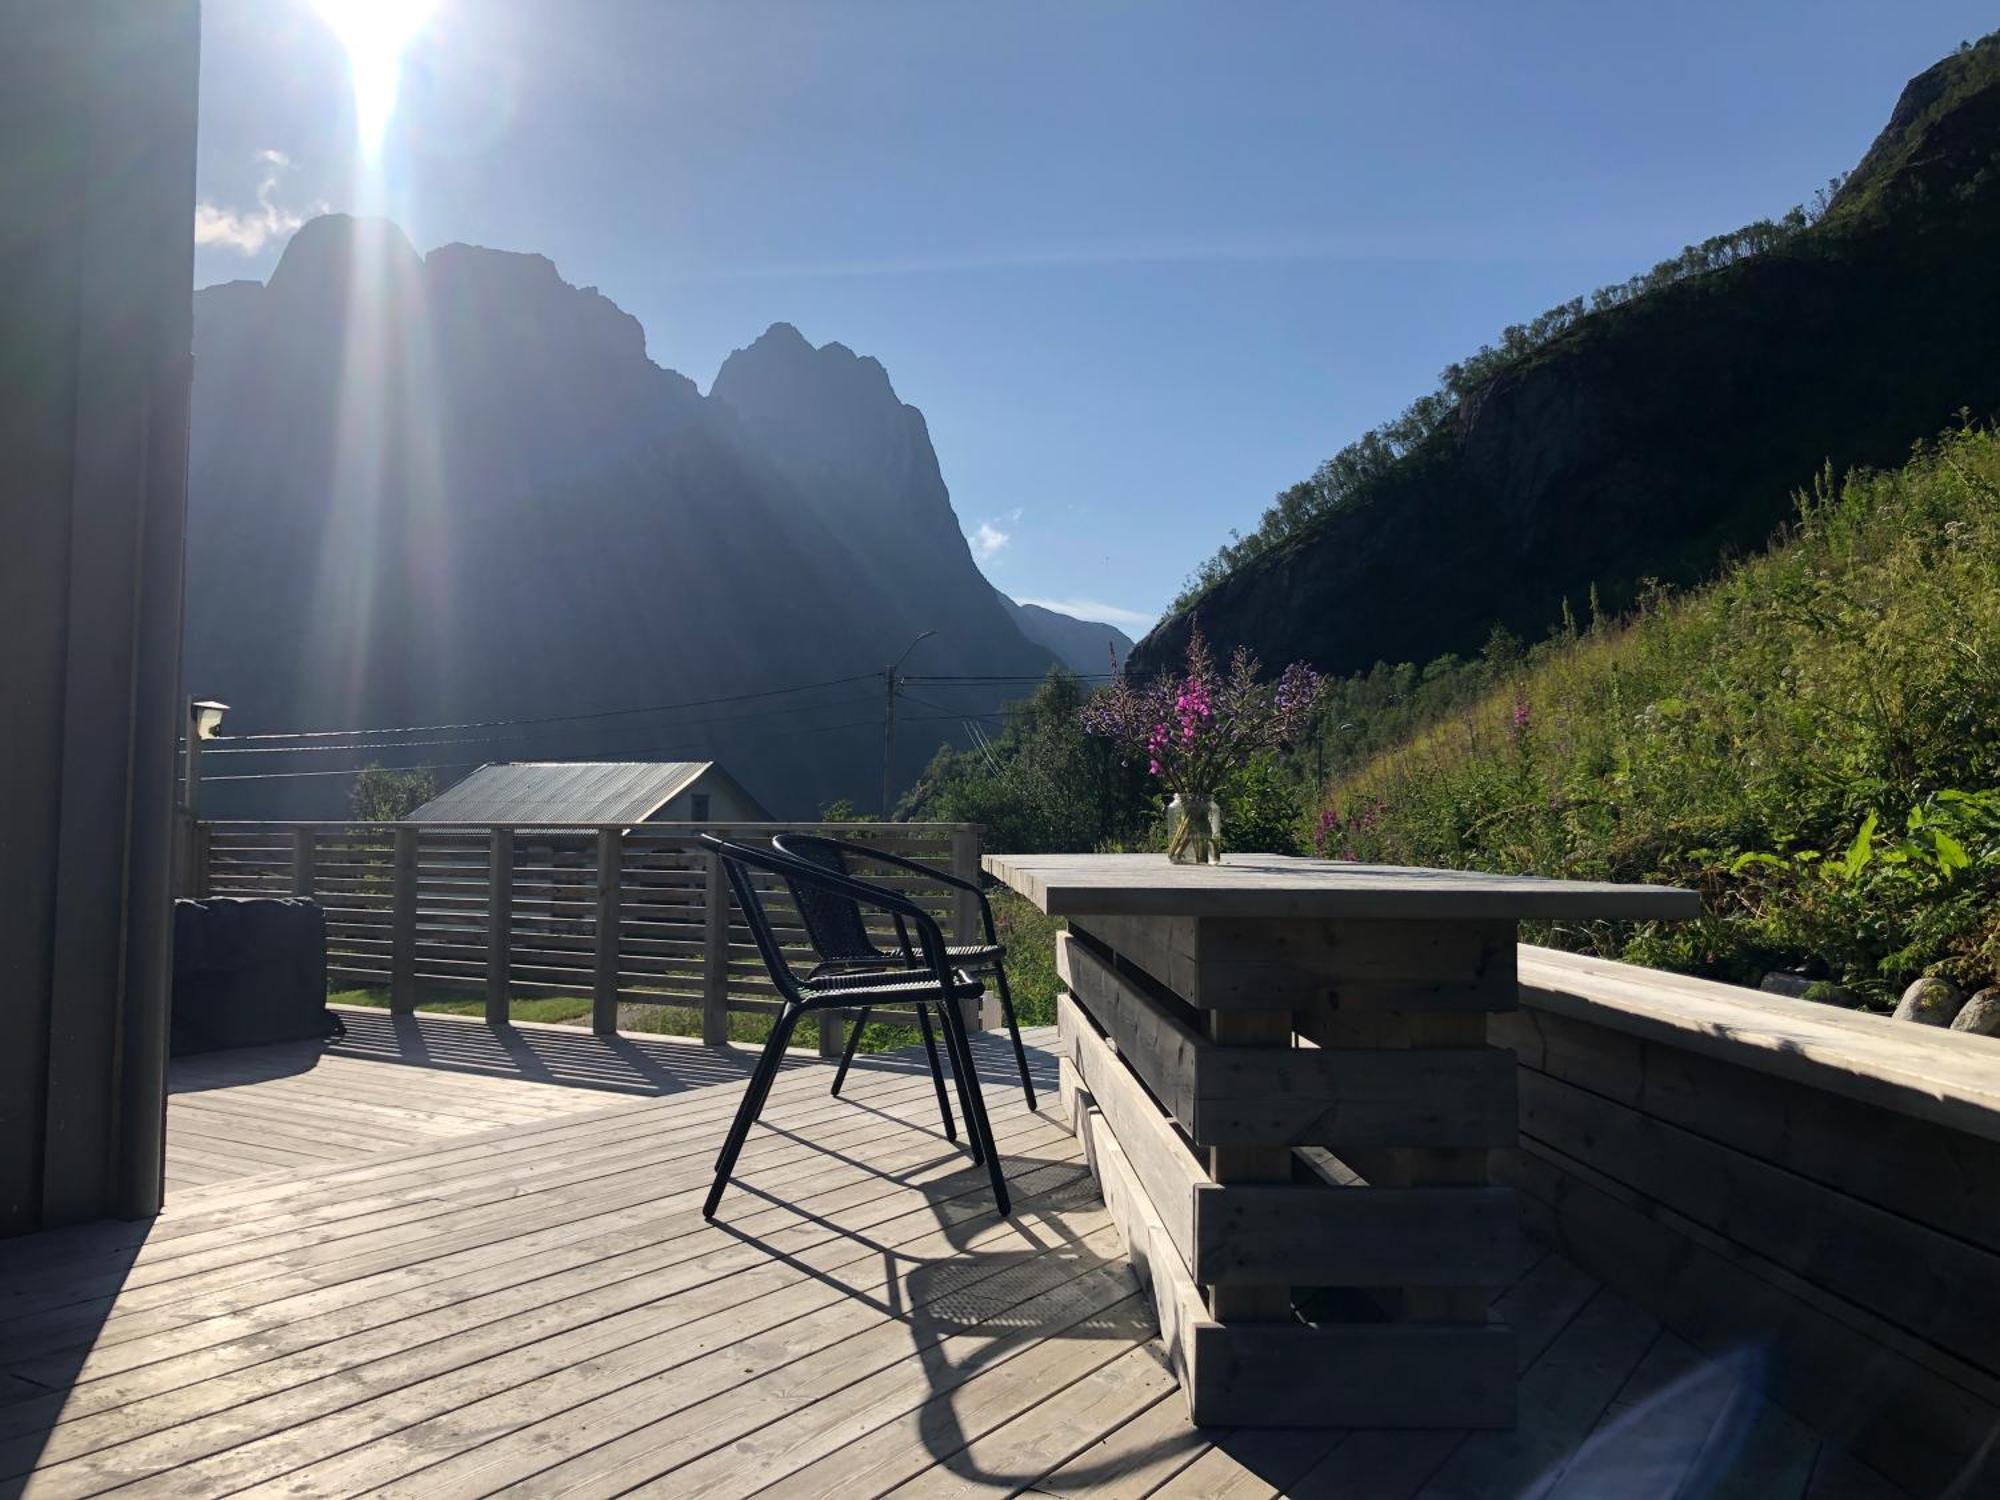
(567, 793)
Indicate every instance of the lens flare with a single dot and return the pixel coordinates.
(374, 34)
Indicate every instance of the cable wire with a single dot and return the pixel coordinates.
(605, 713)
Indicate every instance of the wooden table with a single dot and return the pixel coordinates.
(1280, 1071)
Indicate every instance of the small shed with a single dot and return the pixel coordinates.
(583, 793)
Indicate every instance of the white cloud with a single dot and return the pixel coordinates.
(987, 539)
(1094, 609)
(247, 232)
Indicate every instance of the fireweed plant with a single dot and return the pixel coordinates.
(1192, 731)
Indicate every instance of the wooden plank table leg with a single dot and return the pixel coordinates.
(1226, 1164)
(1442, 1167)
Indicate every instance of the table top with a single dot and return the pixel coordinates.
(1276, 885)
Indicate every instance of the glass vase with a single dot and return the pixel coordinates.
(1194, 830)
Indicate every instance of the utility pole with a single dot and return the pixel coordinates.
(889, 717)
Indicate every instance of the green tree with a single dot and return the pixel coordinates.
(1040, 784)
(843, 810)
(1263, 808)
(383, 795)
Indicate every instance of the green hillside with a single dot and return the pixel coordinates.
(1649, 430)
(1813, 741)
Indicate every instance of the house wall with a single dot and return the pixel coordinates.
(97, 128)
(727, 803)
(1810, 1185)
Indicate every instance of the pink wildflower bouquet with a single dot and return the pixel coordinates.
(1193, 730)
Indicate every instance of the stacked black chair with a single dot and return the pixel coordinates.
(840, 981)
(847, 932)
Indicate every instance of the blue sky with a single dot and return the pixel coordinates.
(1141, 265)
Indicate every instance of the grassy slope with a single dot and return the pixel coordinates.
(1855, 668)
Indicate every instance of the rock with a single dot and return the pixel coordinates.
(1930, 1002)
(1826, 992)
(1783, 982)
(1981, 1015)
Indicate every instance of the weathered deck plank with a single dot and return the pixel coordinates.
(314, 1103)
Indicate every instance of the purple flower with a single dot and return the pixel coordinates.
(1194, 730)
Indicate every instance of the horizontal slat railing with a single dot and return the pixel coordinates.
(617, 915)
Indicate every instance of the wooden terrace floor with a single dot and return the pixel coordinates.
(433, 1261)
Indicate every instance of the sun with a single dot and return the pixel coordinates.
(374, 33)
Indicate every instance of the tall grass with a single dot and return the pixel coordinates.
(1852, 670)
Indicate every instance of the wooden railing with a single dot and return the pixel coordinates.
(621, 915)
(1779, 1175)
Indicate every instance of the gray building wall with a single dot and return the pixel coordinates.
(97, 132)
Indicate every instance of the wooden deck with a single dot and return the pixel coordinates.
(452, 1263)
(272, 1109)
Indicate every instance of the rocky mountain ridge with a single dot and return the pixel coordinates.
(453, 489)
(1654, 439)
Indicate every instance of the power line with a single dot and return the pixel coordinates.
(447, 765)
(368, 746)
(969, 679)
(606, 713)
(242, 744)
(948, 712)
(455, 765)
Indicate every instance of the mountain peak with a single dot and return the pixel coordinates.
(539, 302)
(782, 336)
(783, 366)
(516, 266)
(1942, 139)
(326, 249)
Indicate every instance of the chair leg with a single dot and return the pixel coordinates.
(847, 1055)
(752, 1105)
(977, 1125)
(937, 1072)
(1014, 1030)
(965, 1081)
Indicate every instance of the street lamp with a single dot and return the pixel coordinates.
(204, 722)
(889, 717)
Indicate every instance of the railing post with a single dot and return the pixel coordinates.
(403, 923)
(965, 865)
(604, 987)
(200, 855)
(982, 1014)
(715, 954)
(305, 847)
(499, 925)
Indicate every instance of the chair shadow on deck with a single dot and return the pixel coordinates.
(559, 1056)
(969, 1309)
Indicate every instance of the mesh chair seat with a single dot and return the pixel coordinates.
(883, 989)
(975, 955)
(831, 902)
(840, 935)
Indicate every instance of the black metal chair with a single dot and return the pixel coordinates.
(840, 928)
(931, 983)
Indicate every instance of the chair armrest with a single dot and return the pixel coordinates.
(776, 861)
(915, 867)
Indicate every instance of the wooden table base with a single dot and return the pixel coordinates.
(1291, 1295)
